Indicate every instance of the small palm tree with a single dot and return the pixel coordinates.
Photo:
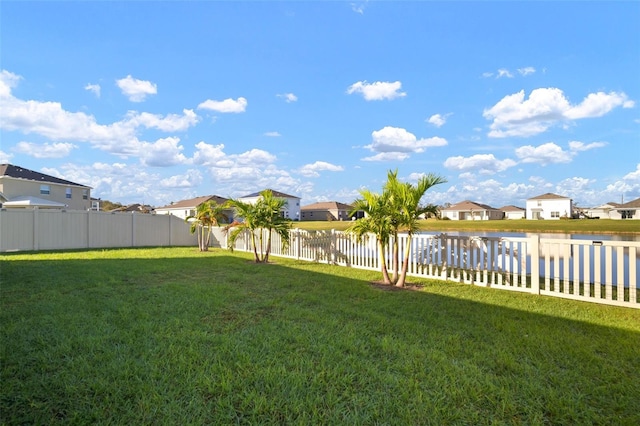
(407, 209)
(377, 221)
(262, 217)
(208, 215)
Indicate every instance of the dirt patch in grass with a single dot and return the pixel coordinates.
(380, 285)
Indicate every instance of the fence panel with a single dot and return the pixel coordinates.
(39, 229)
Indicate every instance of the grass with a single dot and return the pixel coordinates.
(174, 336)
(577, 226)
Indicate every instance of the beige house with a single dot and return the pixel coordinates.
(327, 210)
(469, 210)
(513, 212)
(185, 208)
(24, 188)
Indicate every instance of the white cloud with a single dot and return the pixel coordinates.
(526, 71)
(94, 88)
(576, 146)
(8, 81)
(272, 134)
(46, 150)
(514, 115)
(481, 163)
(5, 157)
(190, 179)
(162, 153)
(394, 143)
(387, 156)
(378, 90)
(438, 120)
(168, 123)
(358, 7)
(288, 97)
(312, 170)
(548, 153)
(226, 106)
(214, 156)
(136, 90)
(503, 72)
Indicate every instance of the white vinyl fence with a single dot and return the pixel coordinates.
(40, 229)
(603, 272)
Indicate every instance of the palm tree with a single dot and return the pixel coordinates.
(263, 216)
(208, 214)
(377, 221)
(407, 202)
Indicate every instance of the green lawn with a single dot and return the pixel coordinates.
(174, 336)
(581, 226)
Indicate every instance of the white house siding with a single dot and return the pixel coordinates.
(290, 211)
(549, 208)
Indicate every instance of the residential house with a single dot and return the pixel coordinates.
(469, 210)
(549, 206)
(291, 210)
(24, 188)
(185, 208)
(630, 210)
(513, 212)
(604, 211)
(327, 210)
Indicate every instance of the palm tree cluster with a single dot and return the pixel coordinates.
(207, 215)
(260, 220)
(397, 209)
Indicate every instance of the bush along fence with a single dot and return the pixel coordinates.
(603, 272)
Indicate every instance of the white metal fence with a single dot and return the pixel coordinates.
(603, 272)
(36, 229)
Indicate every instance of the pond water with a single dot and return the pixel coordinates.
(581, 254)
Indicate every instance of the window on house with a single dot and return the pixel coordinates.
(555, 214)
(85, 194)
(539, 203)
(45, 189)
(68, 193)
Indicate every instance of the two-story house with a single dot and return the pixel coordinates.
(549, 206)
(24, 188)
(291, 210)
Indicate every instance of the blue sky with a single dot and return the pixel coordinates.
(154, 102)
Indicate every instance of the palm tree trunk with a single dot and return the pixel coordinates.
(396, 256)
(405, 263)
(383, 264)
(255, 248)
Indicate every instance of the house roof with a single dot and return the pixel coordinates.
(549, 196)
(468, 205)
(134, 208)
(275, 194)
(634, 204)
(30, 201)
(18, 172)
(512, 209)
(327, 205)
(194, 202)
